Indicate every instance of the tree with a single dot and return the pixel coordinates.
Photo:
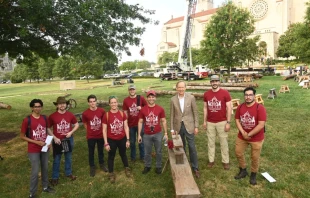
(63, 67)
(167, 57)
(142, 64)
(128, 65)
(225, 37)
(46, 68)
(20, 73)
(50, 27)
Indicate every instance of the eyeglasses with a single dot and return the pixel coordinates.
(37, 106)
(248, 95)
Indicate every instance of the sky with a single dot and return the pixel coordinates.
(165, 9)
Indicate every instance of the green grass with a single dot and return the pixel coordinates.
(285, 153)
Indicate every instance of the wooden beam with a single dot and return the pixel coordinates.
(183, 179)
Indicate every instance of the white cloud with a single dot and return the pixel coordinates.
(165, 9)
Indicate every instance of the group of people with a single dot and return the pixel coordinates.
(144, 122)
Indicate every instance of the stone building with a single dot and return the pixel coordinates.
(273, 17)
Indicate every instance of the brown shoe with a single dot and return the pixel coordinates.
(210, 164)
(112, 177)
(226, 166)
(72, 177)
(127, 171)
(197, 174)
(54, 182)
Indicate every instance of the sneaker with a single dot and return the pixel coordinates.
(48, 190)
(210, 164)
(32, 196)
(92, 171)
(127, 171)
(112, 177)
(103, 168)
(146, 170)
(54, 182)
(72, 177)
(158, 171)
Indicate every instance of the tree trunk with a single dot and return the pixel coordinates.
(5, 106)
(224, 84)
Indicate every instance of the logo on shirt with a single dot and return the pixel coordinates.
(117, 126)
(39, 133)
(214, 105)
(151, 119)
(95, 124)
(133, 110)
(63, 127)
(247, 121)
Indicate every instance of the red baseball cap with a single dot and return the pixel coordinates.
(150, 92)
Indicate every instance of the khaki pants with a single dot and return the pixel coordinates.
(213, 130)
(256, 148)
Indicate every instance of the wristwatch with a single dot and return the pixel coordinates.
(228, 122)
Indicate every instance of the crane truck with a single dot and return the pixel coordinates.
(184, 67)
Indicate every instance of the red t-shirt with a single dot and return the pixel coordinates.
(130, 105)
(37, 132)
(93, 121)
(249, 117)
(216, 105)
(115, 125)
(61, 123)
(151, 118)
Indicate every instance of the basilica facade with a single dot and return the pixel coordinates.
(272, 19)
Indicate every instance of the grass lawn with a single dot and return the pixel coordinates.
(285, 153)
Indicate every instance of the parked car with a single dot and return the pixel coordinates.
(132, 75)
(146, 74)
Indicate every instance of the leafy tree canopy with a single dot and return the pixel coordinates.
(52, 27)
(226, 35)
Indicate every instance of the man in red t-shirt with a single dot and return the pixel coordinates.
(151, 116)
(92, 121)
(132, 106)
(250, 121)
(61, 121)
(34, 130)
(217, 114)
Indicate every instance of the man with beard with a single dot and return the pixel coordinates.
(250, 121)
(217, 115)
(151, 116)
(92, 120)
(184, 120)
(132, 106)
(62, 122)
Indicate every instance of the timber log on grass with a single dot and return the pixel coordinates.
(101, 103)
(224, 84)
(289, 77)
(165, 92)
(5, 106)
(209, 88)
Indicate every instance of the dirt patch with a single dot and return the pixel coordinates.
(6, 136)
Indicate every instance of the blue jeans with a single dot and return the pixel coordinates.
(68, 162)
(133, 132)
(148, 141)
(37, 160)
